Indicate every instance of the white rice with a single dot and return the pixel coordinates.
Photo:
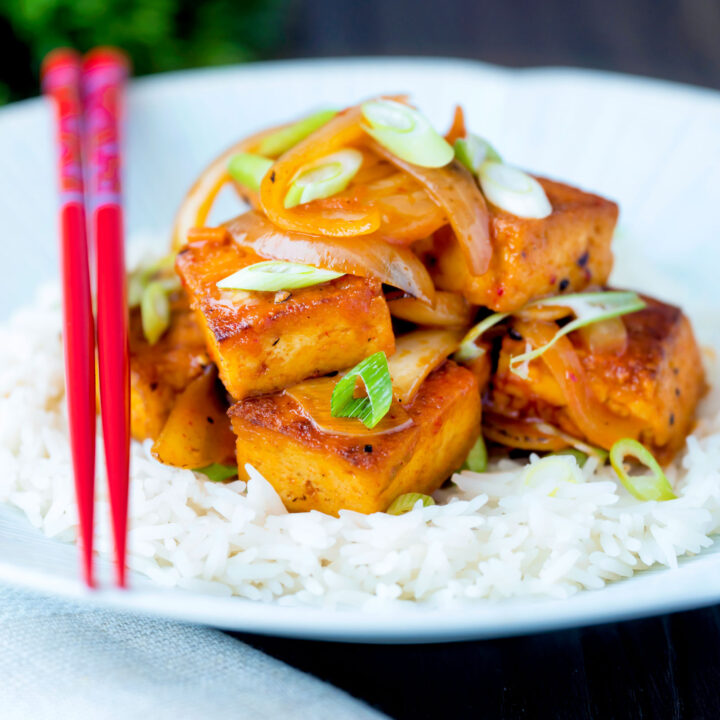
(547, 530)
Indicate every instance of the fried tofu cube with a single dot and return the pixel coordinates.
(657, 380)
(567, 251)
(159, 372)
(314, 470)
(265, 341)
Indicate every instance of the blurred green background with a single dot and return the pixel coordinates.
(674, 39)
(158, 34)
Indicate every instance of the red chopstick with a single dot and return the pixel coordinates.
(61, 82)
(104, 73)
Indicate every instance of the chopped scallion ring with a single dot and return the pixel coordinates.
(513, 190)
(588, 308)
(406, 133)
(477, 458)
(274, 275)
(324, 177)
(154, 311)
(644, 487)
(468, 350)
(580, 457)
(248, 169)
(282, 140)
(589, 450)
(405, 503)
(371, 409)
(472, 151)
(217, 472)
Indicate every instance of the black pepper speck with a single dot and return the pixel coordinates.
(368, 448)
(564, 284)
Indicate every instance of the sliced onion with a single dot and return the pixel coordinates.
(341, 132)
(593, 418)
(517, 433)
(323, 177)
(392, 265)
(197, 203)
(406, 133)
(416, 355)
(454, 189)
(513, 190)
(449, 309)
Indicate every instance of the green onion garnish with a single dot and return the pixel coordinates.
(513, 190)
(324, 177)
(154, 311)
(468, 350)
(217, 472)
(477, 458)
(274, 275)
(472, 151)
(580, 457)
(282, 140)
(643, 487)
(375, 375)
(161, 270)
(249, 170)
(588, 308)
(406, 133)
(576, 445)
(405, 503)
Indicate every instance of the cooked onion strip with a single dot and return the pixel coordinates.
(454, 189)
(197, 203)
(341, 132)
(416, 355)
(448, 310)
(396, 266)
(592, 417)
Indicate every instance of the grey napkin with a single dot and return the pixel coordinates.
(61, 661)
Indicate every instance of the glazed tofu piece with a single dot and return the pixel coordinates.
(566, 251)
(265, 341)
(159, 372)
(314, 470)
(657, 380)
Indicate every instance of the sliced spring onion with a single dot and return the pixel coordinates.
(472, 151)
(248, 169)
(371, 409)
(588, 308)
(406, 133)
(643, 487)
(580, 457)
(405, 503)
(468, 350)
(154, 311)
(578, 445)
(217, 472)
(161, 270)
(513, 190)
(274, 275)
(324, 177)
(477, 458)
(279, 142)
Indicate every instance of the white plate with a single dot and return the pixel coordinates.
(653, 146)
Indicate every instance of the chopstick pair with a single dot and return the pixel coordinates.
(87, 94)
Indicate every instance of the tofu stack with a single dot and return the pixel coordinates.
(437, 222)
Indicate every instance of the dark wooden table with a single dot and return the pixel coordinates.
(666, 667)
